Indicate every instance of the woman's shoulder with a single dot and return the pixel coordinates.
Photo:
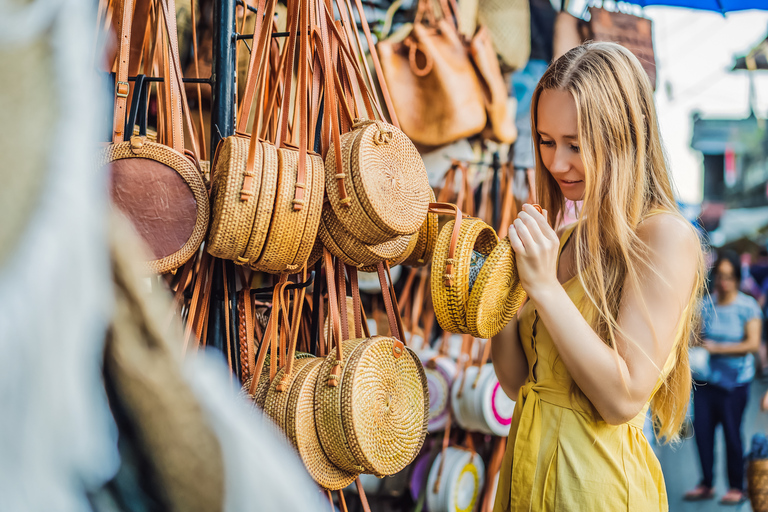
(668, 231)
(565, 227)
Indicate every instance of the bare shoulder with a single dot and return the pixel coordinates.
(674, 247)
(667, 234)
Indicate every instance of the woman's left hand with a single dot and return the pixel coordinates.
(536, 247)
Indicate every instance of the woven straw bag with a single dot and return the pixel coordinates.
(450, 268)
(141, 171)
(342, 244)
(757, 484)
(371, 404)
(426, 241)
(382, 190)
(508, 22)
(497, 293)
(267, 199)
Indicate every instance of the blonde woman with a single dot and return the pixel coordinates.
(613, 297)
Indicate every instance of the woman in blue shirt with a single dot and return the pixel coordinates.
(731, 327)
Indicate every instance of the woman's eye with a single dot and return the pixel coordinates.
(547, 143)
(575, 149)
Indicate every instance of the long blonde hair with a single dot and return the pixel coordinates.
(626, 177)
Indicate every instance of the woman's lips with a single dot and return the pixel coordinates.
(567, 183)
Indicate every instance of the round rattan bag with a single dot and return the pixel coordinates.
(496, 294)
(342, 244)
(162, 193)
(426, 241)
(383, 191)
(293, 228)
(242, 200)
(451, 269)
(373, 417)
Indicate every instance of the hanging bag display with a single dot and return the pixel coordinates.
(268, 199)
(435, 90)
(371, 400)
(158, 187)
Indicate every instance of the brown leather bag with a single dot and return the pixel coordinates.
(435, 90)
(158, 187)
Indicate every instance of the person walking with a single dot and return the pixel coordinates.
(612, 298)
(731, 329)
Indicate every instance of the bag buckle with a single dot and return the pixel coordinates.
(122, 89)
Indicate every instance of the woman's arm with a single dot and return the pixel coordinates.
(753, 328)
(509, 359)
(618, 383)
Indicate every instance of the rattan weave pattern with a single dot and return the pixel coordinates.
(314, 209)
(302, 432)
(355, 219)
(385, 419)
(393, 262)
(232, 218)
(265, 205)
(287, 226)
(328, 410)
(425, 244)
(385, 179)
(276, 403)
(189, 173)
(757, 484)
(390, 178)
(286, 230)
(450, 302)
(497, 293)
(344, 245)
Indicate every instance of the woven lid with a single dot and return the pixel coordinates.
(450, 279)
(385, 180)
(387, 420)
(497, 294)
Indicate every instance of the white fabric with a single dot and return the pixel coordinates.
(260, 466)
(57, 438)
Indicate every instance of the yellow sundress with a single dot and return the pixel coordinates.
(561, 456)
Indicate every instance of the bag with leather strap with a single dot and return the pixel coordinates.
(371, 399)
(509, 26)
(267, 199)
(158, 187)
(435, 89)
(376, 181)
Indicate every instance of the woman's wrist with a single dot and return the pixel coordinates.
(544, 293)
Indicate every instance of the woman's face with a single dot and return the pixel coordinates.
(559, 141)
(725, 278)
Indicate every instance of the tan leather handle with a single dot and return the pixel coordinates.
(443, 450)
(341, 289)
(122, 87)
(356, 302)
(333, 315)
(270, 337)
(361, 493)
(393, 315)
(447, 208)
(494, 466)
(298, 307)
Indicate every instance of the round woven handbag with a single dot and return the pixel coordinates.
(451, 266)
(352, 251)
(496, 294)
(242, 200)
(383, 191)
(158, 187)
(426, 241)
(371, 398)
(757, 484)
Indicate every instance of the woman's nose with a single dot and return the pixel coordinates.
(560, 164)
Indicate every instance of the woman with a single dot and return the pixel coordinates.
(612, 297)
(731, 328)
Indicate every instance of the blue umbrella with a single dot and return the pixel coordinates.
(721, 6)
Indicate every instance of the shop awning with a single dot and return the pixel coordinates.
(721, 6)
(740, 223)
